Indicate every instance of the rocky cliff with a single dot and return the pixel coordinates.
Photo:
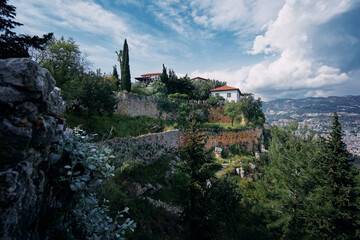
(30, 124)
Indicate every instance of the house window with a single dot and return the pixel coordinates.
(228, 95)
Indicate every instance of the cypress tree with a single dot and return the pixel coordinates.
(164, 77)
(115, 74)
(336, 215)
(125, 69)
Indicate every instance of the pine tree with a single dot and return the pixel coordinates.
(12, 45)
(200, 165)
(336, 215)
(288, 181)
(125, 69)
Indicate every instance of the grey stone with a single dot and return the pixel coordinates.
(43, 131)
(26, 74)
(29, 123)
(56, 105)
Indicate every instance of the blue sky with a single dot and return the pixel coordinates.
(274, 49)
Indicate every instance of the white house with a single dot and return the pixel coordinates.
(228, 93)
(148, 78)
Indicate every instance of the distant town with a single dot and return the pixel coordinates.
(316, 114)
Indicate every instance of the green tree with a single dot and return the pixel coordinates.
(234, 111)
(66, 64)
(288, 181)
(181, 96)
(200, 165)
(115, 75)
(336, 215)
(201, 88)
(213, 101)
(11, 44)
(164, 77)
(97, 95)
(158, 88)
(252, 111)
(125, 69)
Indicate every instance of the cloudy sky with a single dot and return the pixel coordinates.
(275, 49)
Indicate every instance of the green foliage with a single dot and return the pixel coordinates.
(125, 69)
(153, 173)
(66, 64)
(115, 76)
(252, 110)
(200, 165)
(140, 89)
(201, 88)
(181, 96)
(224, 209)
(11, 44)
(247, 108)
(179, 85)
(166, 105)
(164, 77)
(97, 95)
(81, 167)
(288, 181)
(337, 214)
(158, 88)
(184, 111)
(234, 111)
(118, 125)
(214, 101)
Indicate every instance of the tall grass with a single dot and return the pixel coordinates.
(119, 125)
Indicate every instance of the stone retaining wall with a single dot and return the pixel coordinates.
(152, 146)
(149, 146)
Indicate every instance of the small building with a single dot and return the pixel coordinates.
(199, 79)
(228, 93)
(148, 78)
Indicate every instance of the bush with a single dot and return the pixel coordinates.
(181, 96)
(214, 101)
(81, 166)
(140, 89)
(97, 95)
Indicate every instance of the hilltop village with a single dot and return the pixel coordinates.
(88, 155)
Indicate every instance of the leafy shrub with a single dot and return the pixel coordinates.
(97, 95)
(165, 105)
(140, 89)
(88, 165)
(182, 96)
(214, 101)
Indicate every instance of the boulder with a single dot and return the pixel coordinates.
(30, 122)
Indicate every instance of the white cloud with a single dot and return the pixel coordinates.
(295, 68)
(96, 26)
(235, 15)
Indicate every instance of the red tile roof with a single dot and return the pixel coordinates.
(224, 88)
(150, 74)
(199, 78)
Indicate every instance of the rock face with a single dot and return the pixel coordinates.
(30, 123)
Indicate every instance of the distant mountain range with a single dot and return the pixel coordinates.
(288, 107)
(317, 114)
